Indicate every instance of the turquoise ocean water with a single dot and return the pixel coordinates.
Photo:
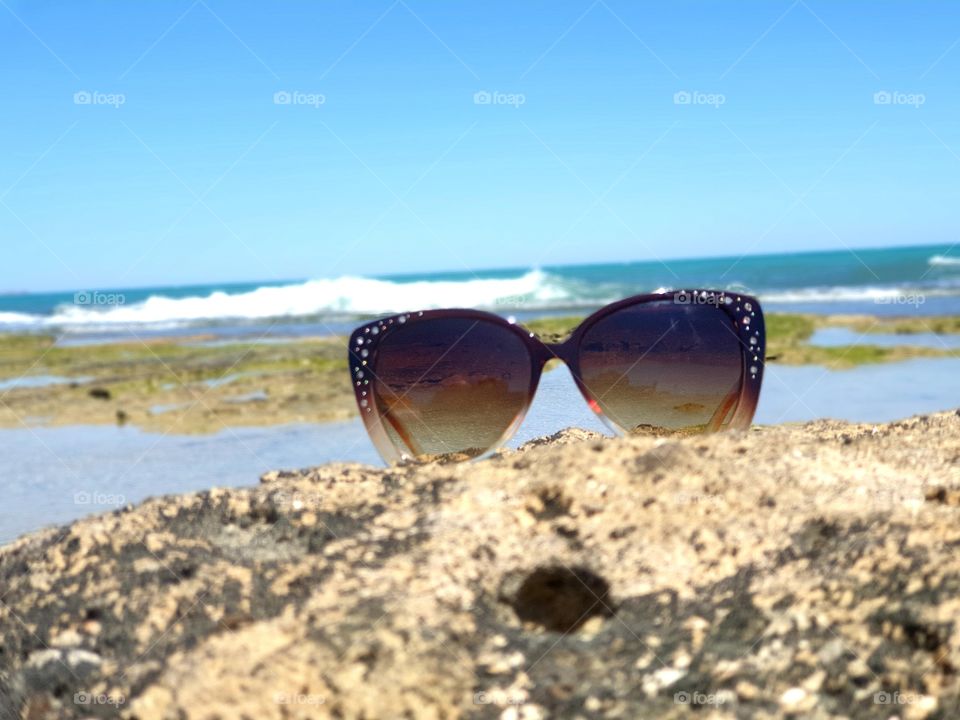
(894, 281)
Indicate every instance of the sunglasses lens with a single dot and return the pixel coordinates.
(449, 387)
(663, 367)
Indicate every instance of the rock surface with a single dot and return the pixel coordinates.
(789, 571)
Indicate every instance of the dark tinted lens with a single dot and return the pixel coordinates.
(663, 367)
(450, 387)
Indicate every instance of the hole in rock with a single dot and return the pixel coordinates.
(561, 599)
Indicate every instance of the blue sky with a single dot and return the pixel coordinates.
(145, 143)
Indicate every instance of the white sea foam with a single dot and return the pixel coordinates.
(357, 296)
(13, 318)
(344, 295)
(855, 294)
(943, 260)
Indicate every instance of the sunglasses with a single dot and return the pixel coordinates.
(456, 384)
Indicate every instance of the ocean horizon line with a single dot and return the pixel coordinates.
(480, 272)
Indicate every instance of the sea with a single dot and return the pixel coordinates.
(890, 281)
(53, 475)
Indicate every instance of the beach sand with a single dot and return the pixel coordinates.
(782, 572)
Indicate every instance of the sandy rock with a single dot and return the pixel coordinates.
(788, 571)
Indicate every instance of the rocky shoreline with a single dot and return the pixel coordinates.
(789, 571)
(202, 384)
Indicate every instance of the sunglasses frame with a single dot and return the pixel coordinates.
(743, 311)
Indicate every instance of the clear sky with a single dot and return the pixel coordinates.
(145, 143)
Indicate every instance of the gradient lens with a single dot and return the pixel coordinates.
(450, 387)
(663, 367)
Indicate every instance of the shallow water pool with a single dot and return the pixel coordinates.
(55, 475)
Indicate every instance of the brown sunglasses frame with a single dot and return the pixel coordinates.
(743, 311)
